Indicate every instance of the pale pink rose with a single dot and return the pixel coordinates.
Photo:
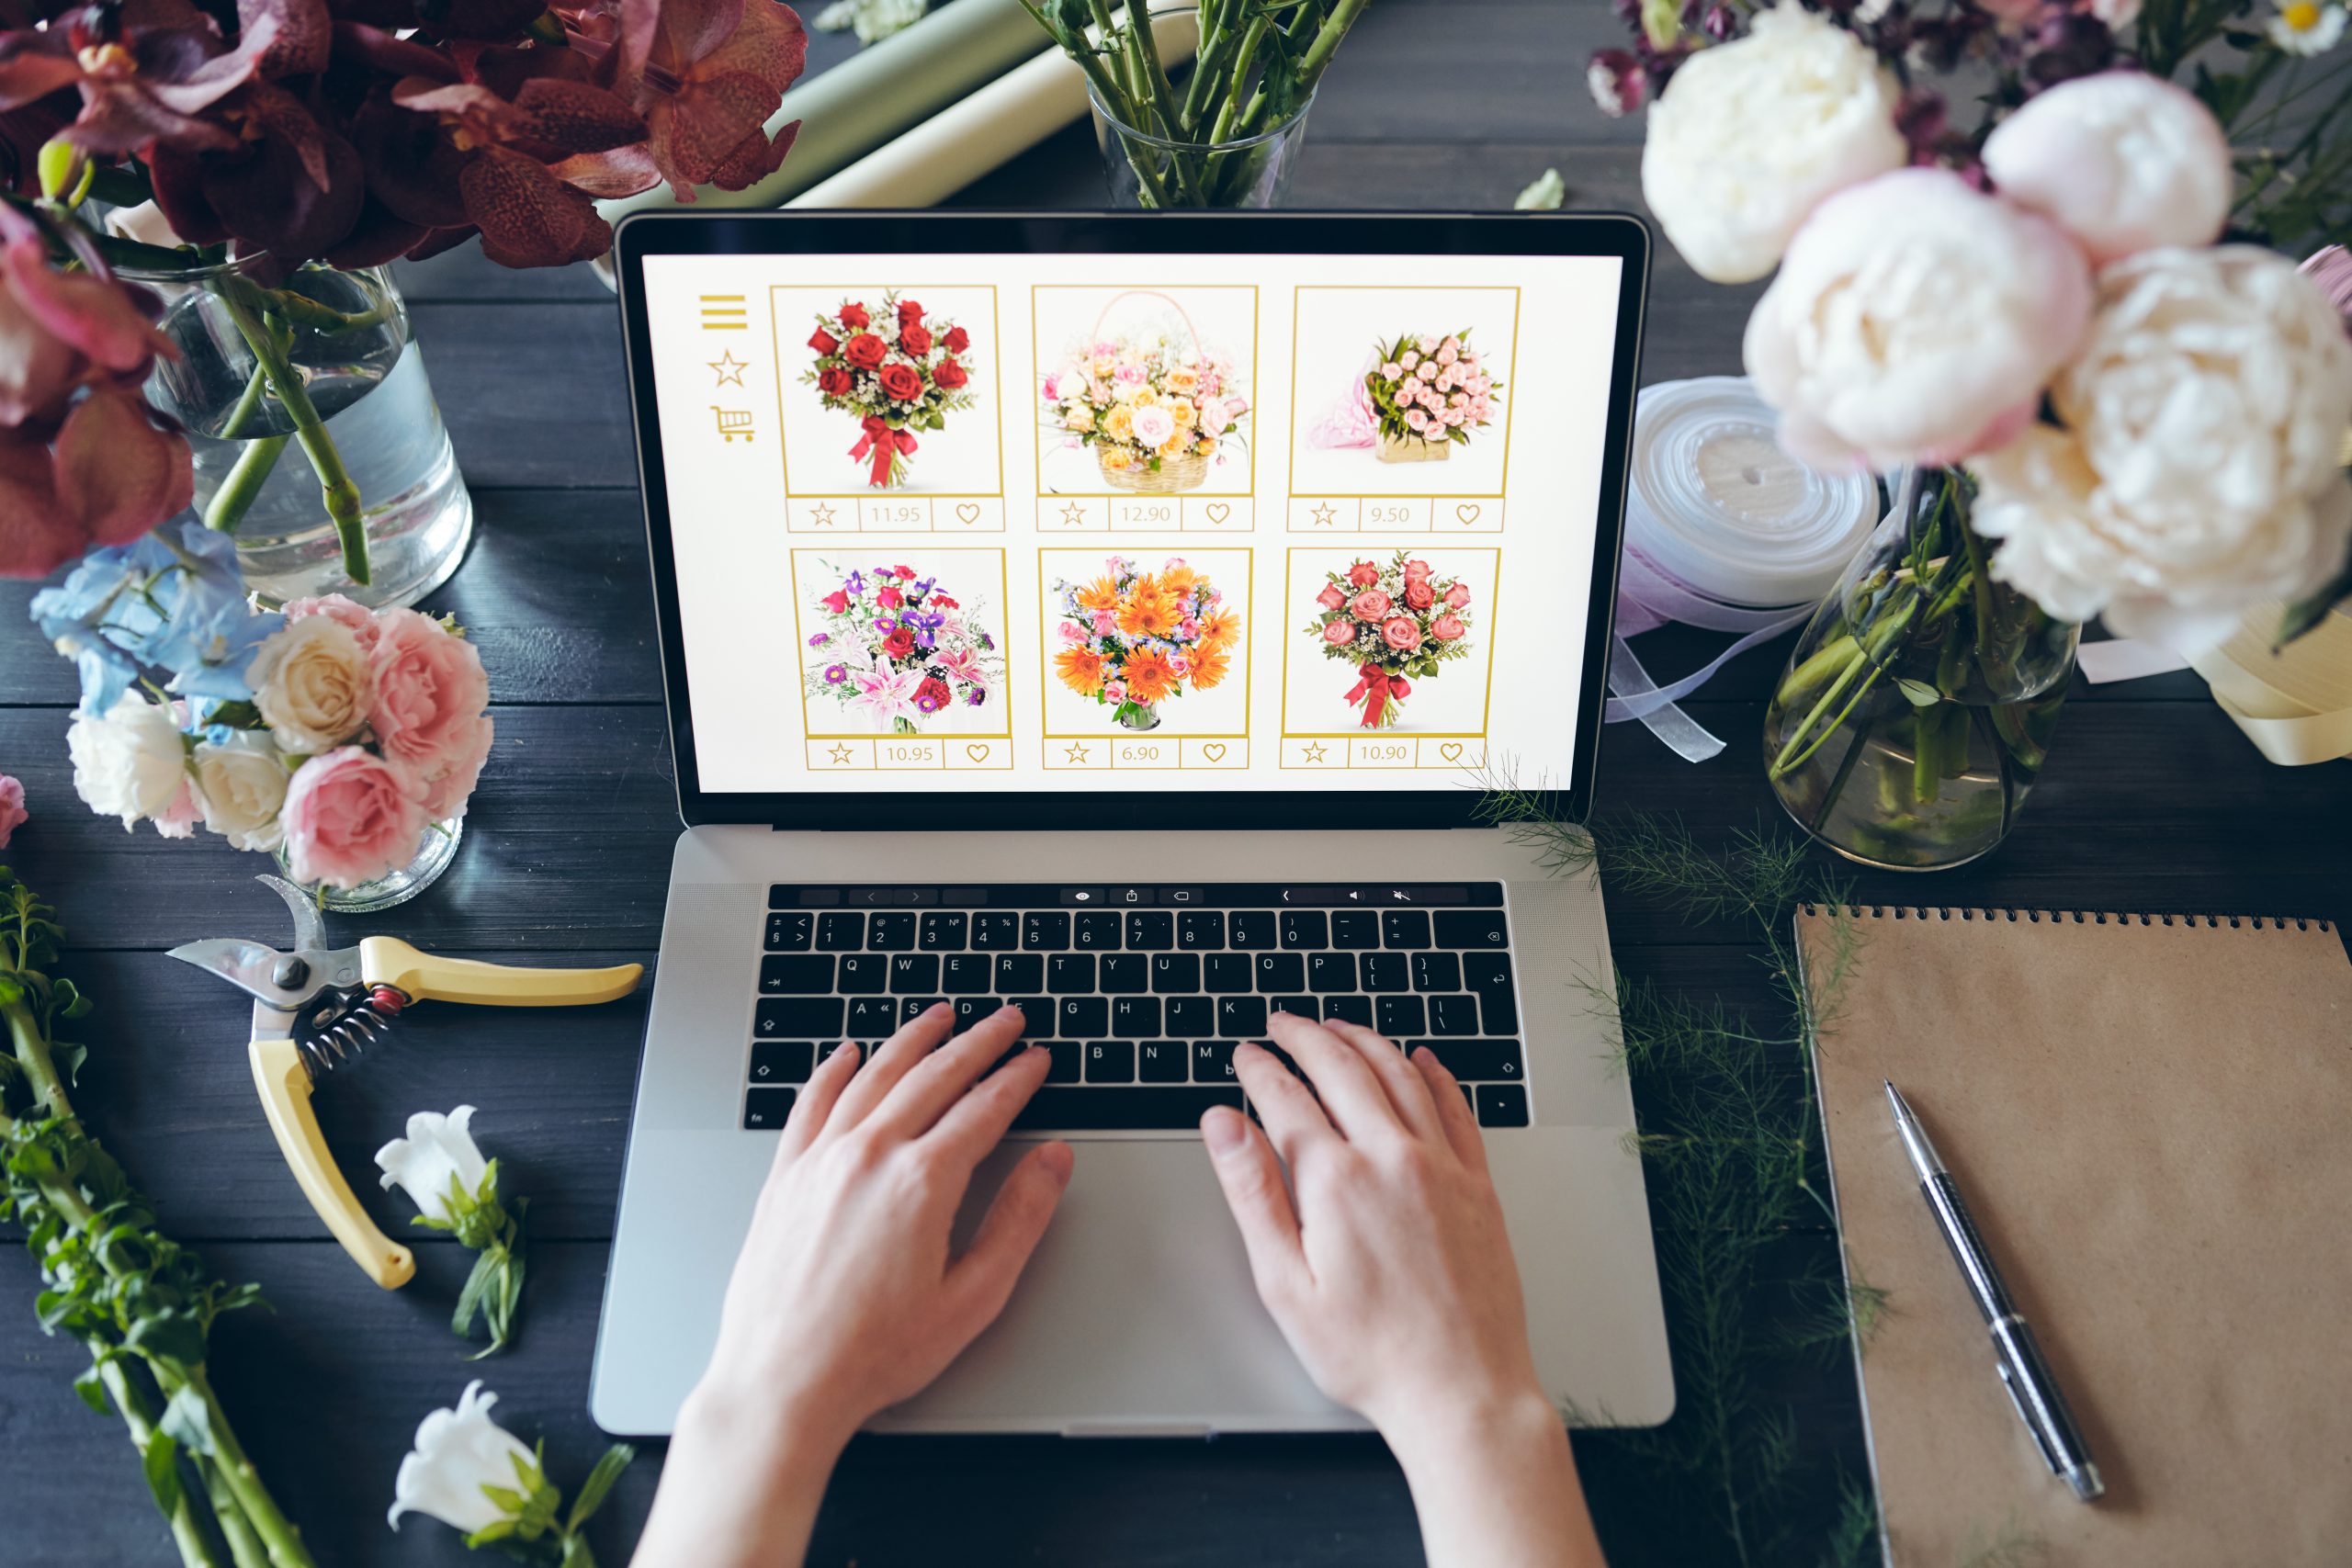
(1458, 596)
(1401, 633)
(2122, 161)
(1414, 419)
(1235, 407)
(1116, 691)
(445, 796)
(350, 816)
(1073, 632)
(1428, 372)
(1417, 566)
(1447, 352)
(1187, 629)
(1369, 606)
(336, 608)
(180, 814)
(1452, 418)
(1331, 598)
(1444, 381)
(1338, 632)
(1179, 664)
(1106, 623)
(1428, 345)
(430, 692)
(1417, 593)
(1363, 574)
(1393, 370)
(1407, 359)
(13, 814)
(1448, 628)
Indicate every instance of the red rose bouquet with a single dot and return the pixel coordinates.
(1396, 624)
(895, 372)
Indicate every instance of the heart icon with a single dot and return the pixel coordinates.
(969, 511)
(1467, 511)
(1214, 750)
(1218, 511)
(978, 750)
(1451, 750)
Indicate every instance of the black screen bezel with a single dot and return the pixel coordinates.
(1621, 236)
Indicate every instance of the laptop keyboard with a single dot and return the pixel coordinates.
(1142, 992)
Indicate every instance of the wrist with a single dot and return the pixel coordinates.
(778, 1430)
(1477, 1429)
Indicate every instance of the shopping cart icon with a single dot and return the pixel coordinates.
(732, 422)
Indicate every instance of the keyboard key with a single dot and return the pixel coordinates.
(1094, 930)
(872, 1019)
(765, 1109)
(1213, 1061)
(891, 898)
(1251, 929)
(1038, 1014)
(1123, 894)
(791, 932)
(969, 1010)
(1081, 1017)
(891, 931)
(1160, 1106)
(1068, 1065)
(944, 932)
(1453, 1015)
(1125, 971)
(1279, 972)
(1111, 1061)
(797, 975)
(1398, 1017)
(1350, 1010)
(914, 972)
(1437, 972)
(1298, 1007)
(1044, 930)
(1070, 973)
(965, 974)
(782, 1061)
(862, 974)
(1502, 1105)
(837, 933)
(1189, 1018)
(1162, 1061)
(1489, 977)
(1405, 927)
(1354, 927)
(1175, 972)
(798, 1018)
(1136, 1017)
(913, 1008)
(1225, 972)
(1306, 929)
(1386, 972)
(1331, 971)
(1199, 931)
(1469, 928)
(1019, 972)
(1242, 1016)
(782, 894)
(1150, 931)
(994, 930)
(1478, 1059)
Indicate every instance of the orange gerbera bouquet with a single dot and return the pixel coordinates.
(1132, 639)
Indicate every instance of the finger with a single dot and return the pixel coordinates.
(891, 1061)
(1408, 1092)
(977, 1123)
(942, 1079)
(1343, 1080)
(1452, 1108)
(813, 1106)
(1252, 1179)
(1293, 1118)
(981, 1282)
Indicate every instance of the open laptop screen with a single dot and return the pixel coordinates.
(1190, 521)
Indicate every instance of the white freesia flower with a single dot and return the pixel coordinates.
(128, 761)
(1749, 136)
(312, 683)
(2194, 470)
(437, 1149)
(241, 784)
(458, 1453)
(2122, 161)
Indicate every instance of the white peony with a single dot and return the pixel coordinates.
(2121, 160)
(2194, 470)
(1916, 319)
(1749, 136)
(129, 762)
(241, 783)
(459, 1453)
(312, 684)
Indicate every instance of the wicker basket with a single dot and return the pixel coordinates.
(1187, 472)
(1413, 449)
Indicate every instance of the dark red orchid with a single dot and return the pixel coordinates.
(707, 75)
(148, 70)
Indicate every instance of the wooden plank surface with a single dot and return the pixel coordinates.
(2152, 802)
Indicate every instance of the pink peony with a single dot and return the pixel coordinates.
(2122, 161)
(350, 816)
(430, 694)
(1448, 627)
(1338, 632)
(1363, 574)
(13, 814)
(1458, 596)
(1401, 633)
(1369, 606)
(180, 814)
(336, 608)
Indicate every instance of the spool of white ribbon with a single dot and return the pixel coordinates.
(1724, 531)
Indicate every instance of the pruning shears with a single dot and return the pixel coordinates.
(318, 1006)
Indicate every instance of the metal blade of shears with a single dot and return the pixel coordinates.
(248, 965)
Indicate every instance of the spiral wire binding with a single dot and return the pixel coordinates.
(2076, 917)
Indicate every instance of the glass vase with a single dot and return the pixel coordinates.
(1237, 164)
(433, 853)
(1139, 718)
(1916, 710)
(317, 440)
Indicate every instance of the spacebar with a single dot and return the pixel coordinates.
(1123, 1109)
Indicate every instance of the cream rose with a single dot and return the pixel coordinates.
(129, 762)
(1749, 136)
(2194, 471)
(2121, 160)
(241, 783)
(1914, 319)
(311, 682)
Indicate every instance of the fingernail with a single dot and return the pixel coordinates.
(1222, 1130)
(1009, 1008)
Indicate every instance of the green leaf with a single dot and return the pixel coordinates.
(160, 1463)
(189, 1421)
(505, 1497)
(470, 1298)
(1918, 692)
(600, 1481)
(173, 1336)
(91, 1387)
(69, 1060)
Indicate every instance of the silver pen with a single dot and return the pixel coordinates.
(2017, 1355)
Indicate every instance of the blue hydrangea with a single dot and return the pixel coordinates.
(172, 605)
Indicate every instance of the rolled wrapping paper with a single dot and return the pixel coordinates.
(1725, 531)
(2295, 705)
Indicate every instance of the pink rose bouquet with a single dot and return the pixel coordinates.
(1426, 394)
(1397, 624)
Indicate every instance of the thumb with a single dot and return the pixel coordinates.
(981, 1280)
(1252, 1178)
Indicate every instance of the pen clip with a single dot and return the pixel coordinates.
(2009, 1386)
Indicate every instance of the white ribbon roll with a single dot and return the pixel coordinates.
(2295, 704)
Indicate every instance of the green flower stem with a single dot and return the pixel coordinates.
(1882, 637)
(245, 1546)
(277, 1533)
(303, 310)
(197, 1548)
(336, 491)
(31, 1049)
(243, 484)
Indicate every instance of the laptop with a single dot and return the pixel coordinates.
(1118, 615)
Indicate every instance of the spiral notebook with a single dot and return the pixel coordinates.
(2152, 1117)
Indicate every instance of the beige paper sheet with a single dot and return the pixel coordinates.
(2154, 1125)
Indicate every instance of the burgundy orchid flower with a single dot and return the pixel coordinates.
(148, 70)
(706, 74)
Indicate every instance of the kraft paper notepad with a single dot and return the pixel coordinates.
(2152, 1119)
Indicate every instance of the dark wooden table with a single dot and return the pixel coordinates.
(2152, 802)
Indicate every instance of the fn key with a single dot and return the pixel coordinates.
(765, 1109)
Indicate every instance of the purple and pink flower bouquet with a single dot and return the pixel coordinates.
(1397, 624)
(1429, 391)
(896, 650)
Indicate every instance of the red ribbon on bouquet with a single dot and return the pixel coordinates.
(1377, 689)
(882, 441)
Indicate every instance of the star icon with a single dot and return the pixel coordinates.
(1074, 515)
(1324, 512)
(1077, 753)
(1313, 753)
(822, 515)
(729, 368)
(840, 755)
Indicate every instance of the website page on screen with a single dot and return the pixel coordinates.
(1227, 522)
